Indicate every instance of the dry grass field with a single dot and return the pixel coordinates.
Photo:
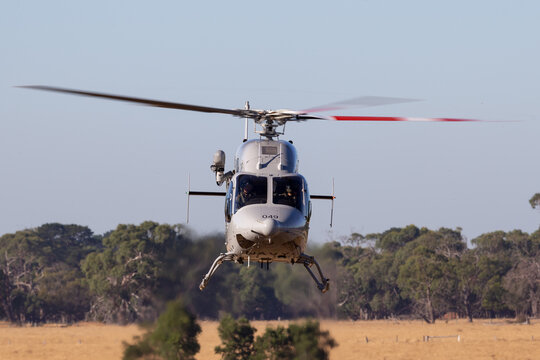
(385, 340)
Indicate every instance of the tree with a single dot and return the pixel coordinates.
(367, 288)
(467, 270)
(274, 344)
(176, 333)
(310, 342)
(65, 296)
(423, 278)
(174, 336)
(298, 341)
(292, 285)
(522, 281)
(395, 238)
(535, 201)
(494, 261)
(125, 274)
(31, 260)
(186, 261)
(237, 338)
(255, 297)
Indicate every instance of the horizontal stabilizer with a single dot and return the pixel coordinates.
(207, 193)
(322, 197)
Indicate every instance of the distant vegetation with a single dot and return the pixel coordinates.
(65, 273)
(535, 201)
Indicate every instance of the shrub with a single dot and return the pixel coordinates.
(174, 336)
(237, 339)
(298, 341)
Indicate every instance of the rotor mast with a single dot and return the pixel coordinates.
(269, 126)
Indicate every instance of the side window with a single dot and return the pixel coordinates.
(228, 203)
(307, 202)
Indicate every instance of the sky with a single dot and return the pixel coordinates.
(100, 163)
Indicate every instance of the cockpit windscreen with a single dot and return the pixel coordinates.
(288, 191)
(250, 190)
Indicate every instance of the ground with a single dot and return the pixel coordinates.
(483, 339)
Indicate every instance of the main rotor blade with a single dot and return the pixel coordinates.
(359, 102)
(380, 118)
(298, 116)
(149, 102)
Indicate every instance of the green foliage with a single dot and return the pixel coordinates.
(124, 275)
(255, 295)
(395, 238)
(309, 341)
(298, 341)
(141, 349)
(293, 285)
(492, 244)
(176, 333)
(535, 201)
(274, 344)
(522, 281)
(423, 278)
(174, 336)
(469, 285)
(237, 338)
(64, 273)
(64, 293)
(40, 273)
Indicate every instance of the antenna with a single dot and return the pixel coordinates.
(332, 210)
(188, 193)
(246, 106)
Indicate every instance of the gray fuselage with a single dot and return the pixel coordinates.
(267, 205)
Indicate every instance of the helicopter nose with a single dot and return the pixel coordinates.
(267, 227)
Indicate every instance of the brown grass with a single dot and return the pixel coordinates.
(385, 340)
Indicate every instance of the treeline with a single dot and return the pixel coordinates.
(65, 273)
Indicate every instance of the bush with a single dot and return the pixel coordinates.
(237, 338)
(274, 344)
(298, 341)
(309, 341)
(174, 336)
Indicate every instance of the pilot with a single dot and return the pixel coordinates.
(245, 194)
(289, 195)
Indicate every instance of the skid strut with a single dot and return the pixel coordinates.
(219, 260)
(324, 283)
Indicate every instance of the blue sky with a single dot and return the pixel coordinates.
(99, 163)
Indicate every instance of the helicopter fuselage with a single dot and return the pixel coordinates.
(267, 203)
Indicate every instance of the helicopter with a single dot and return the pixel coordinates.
(267, 201)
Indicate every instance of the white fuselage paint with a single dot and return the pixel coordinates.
(268, 230)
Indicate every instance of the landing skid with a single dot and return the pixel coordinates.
(324, 283)
(219, 260)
